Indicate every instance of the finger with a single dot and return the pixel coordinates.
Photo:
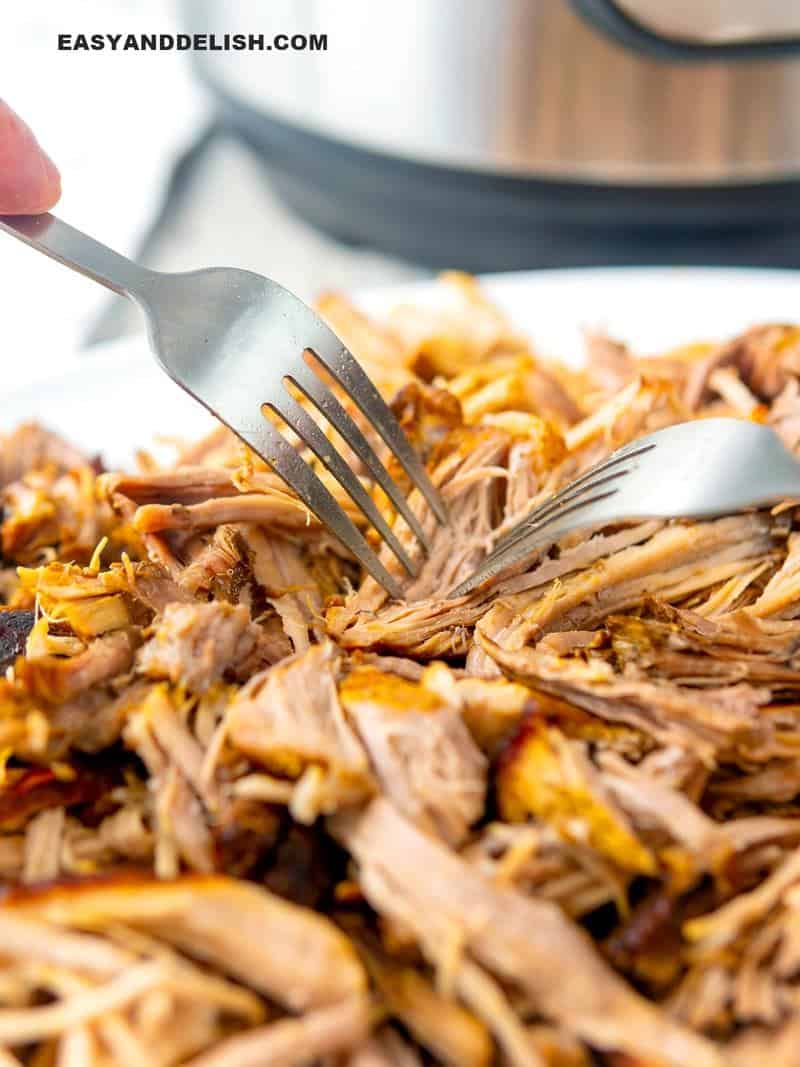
(29, 181)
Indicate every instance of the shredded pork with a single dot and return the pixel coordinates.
(254, 812)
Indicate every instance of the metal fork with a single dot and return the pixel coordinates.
(235, 340)
(694, 470)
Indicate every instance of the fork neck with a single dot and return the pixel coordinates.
(77, 250)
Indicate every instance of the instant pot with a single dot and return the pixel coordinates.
(501, 134)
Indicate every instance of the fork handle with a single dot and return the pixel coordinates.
(77, 250)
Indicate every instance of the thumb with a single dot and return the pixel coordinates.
(29, 181)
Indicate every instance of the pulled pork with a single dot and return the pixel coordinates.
(253, 812)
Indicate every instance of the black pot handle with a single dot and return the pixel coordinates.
(607, 17)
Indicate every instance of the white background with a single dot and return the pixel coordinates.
(114, 124)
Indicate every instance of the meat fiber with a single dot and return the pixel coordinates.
(196, 644)
(715, 723)
(291, 954)
(420, 749)
(289, 720)
(292, 1041)
(524, 941)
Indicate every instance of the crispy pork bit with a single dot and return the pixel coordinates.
(48, 513)
(543, 773)
(195, 645)
(57, 679)
(14, 629)
(490, 708)
(217, 566)
(26, 792)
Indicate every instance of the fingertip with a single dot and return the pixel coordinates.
(50, 190)
(29, 180)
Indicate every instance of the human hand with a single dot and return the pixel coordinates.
(29, 181)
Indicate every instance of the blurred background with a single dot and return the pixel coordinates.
(511, 134)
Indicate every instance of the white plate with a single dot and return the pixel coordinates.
(116, 399)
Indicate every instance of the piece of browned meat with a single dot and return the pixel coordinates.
(767, 357)
(14, 629)
(420, 749)
(289, 720)
(196, 644)
(31, 447)
(57, 679)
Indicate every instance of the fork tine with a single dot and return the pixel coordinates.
(524, 529)
(555, 506)
(358, 386)
(522, 546)
(270, 445)
(305, 427)
(521, 532)
(584, 482)
(588, 482)
(307, 382)
(581, 492)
